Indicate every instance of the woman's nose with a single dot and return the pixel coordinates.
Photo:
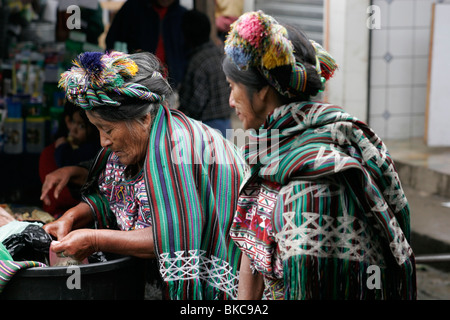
(104, 141)
(231, 101)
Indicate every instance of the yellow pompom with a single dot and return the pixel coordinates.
(132, 68)
(278, 54)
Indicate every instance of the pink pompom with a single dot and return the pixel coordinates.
(251, 28)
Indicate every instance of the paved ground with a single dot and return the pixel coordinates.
(432, 284)
(430, 224)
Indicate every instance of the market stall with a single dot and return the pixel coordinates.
(38, 40)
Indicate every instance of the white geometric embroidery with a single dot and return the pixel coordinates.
(345, 237)
(380, 204)
(394, 194)
(339, 160)
(370, 148)
(196, 265)
(399, 246)
(318, 189)
(341, 132)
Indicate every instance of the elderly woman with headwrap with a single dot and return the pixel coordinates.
(322, 213)
(163, 186)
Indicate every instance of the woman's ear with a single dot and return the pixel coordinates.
(147, 121)
(267, 99)
(263, 93)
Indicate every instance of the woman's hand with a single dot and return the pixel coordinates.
(77, 217)
(59, 228)
(77, 241)
(59, 178)
(78, 244)
(81, 243)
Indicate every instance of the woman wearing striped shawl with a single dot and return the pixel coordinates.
(322, 214)
(163, 186)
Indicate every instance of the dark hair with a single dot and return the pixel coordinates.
(196, 28)
(251, 77)
(134, 108)
(304, 52)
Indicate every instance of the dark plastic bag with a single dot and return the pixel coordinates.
(33, 243)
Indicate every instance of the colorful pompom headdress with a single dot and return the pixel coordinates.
(258, 40)
(95, 74)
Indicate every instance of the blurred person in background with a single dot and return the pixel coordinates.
(78, 142)
(226, 12)
(153, 26)
(204, 91)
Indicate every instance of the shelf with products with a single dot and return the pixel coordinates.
(36, 46)
(31, 106)
(30, 101)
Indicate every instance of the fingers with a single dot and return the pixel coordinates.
(55, 229)
(57, 179)
(45, 199)
(46, 187)
(50, 230)
(61, 249)
(56, 246)
(59, 188)
(74, 246)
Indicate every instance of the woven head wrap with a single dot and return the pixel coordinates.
(96, 74)
(258, 40)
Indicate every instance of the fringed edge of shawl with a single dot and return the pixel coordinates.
(309, 277)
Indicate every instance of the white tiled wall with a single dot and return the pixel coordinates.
(399, 68)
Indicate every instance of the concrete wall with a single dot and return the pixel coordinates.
(382, 48)
(399, 68)
(347, 40)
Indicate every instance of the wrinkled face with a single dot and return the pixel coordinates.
(128, 140)
(249, 110)
(78, 130)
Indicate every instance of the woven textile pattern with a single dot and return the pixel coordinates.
(192, 177)
(339, 208)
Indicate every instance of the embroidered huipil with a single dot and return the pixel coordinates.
(127, 197)
(192, 199)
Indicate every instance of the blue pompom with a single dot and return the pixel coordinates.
(91, 62)
(238, 56)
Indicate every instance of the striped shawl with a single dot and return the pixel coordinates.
(323, 213)
(192, 178)
(9, 267)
